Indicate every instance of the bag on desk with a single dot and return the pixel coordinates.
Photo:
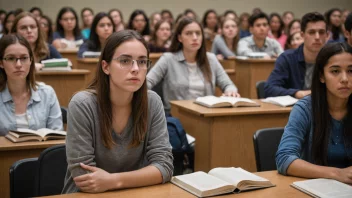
(180, 146)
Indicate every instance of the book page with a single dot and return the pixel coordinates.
(283, 101)
(23, 130)
(234, 175)
(234, 100)
(202, 181)
(325, 187)
(212, 101)
(44, 131)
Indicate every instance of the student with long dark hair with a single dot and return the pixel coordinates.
(160, 41)
(102, 28)
(46, 26)
(117, 136)
(277, 27)
(8, 22)
(87, 15)
(27, 26)
(294, 26)
(244, 25)
(334, 23)
(139, 22)
(225, 45)
(317, 139)
(117, 17)
(210, 24)
(25, 103)
(68, 34)
(167, 16)
(188, 71)
(37, 12)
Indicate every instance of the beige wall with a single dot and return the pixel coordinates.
(299, 7)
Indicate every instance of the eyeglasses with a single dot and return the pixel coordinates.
(30, 27)
(13, 60)
(127, 63)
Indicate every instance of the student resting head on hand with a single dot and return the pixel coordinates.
(188, 71)
(27, 26)
(317, 141)
(24, 103)
(102, 28)
(117, 136)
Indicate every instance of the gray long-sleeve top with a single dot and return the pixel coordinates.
(84, 143)
(219, 47)
(172, 70)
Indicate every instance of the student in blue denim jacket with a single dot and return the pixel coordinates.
(23, 102)
(317, 141)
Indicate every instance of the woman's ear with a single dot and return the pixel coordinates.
(322, 78)
(179, 38)
(105, 67)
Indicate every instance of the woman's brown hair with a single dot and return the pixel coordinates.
(41, 49)
(6, 41)
(201, 57)
(237, 37)
(101, 87)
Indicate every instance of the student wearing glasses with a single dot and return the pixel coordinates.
(102, 28)
(317, 141)
(27, 26)
(188, 71)
(67, 33)
(139, 22)
(24, 103)
(117, 136)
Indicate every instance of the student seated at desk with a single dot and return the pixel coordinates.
(27, 26)
(140, 22)
(87, 15)
(293, 70)
(117, 136)
(117, 17)
(188, 71)
(225, 45)
(210, 24)
(160, 41)
(67, 33)
(23, 102)
(102, 28)
(259, 41)
(317, 139)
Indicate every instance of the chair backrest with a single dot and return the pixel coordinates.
(266, 143)
(260, 89)
(52, 166)
(22, 178)
(64, 114)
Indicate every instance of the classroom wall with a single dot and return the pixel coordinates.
(299, 7)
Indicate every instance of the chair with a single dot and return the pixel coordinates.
(64, 114)
(22, 178)
(52, 166)
(260, 89)
(266, 143)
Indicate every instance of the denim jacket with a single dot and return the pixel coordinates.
(43, 110)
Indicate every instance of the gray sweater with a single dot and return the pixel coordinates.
(172, 70)
(219, 47)
(84, 143)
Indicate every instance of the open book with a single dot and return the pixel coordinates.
(91, 54)
(23, 135)
(220, 181)
(223, 101)
(324, 188)
(283, 101)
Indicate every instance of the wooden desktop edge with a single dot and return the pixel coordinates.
(7, 145)
(68, 51)
(88, 60)
(253, 60)
(59, 72)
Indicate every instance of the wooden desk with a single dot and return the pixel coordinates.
(282, 189)
(65, 83)
(154, 57)
(224, 136)
(12, 152)
(70, 54)
(249, 72)
(229, 63)
(88, 64)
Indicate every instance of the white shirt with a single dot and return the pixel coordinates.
(22, 121)
(196, 84)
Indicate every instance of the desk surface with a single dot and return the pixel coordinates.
(68, 51)
(7, 145)
(58, 72)
(155, 55)
(282, 189)
(88, 60)
(265, 108)
(254, 60)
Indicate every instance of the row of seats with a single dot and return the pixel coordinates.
(45, 175)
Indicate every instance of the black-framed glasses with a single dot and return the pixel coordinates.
(127, 62)
(13, 60)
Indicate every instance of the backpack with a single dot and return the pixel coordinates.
(181, 150)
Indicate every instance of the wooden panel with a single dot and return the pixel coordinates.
(229, 63)
(12, 152)
(154, 57)
(65, 83)
(70, 54)
(88, 64)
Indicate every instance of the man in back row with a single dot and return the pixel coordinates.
(348, 29)
(259, 40)
(293, 70)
